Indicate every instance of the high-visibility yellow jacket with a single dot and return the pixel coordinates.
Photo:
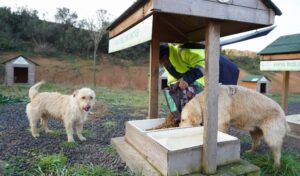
(183, 60)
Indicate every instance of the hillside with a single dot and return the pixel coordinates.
(122, 75)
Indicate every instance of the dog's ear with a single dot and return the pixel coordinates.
(75, 93)
(194, 119)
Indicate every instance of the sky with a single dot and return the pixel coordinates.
(288, 23)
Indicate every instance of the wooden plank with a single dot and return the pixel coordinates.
(132, 19)
(285, 89)
(289, 56)
(212, 53)
(203, 8)
(154, 74)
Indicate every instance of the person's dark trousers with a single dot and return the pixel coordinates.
(228, 72)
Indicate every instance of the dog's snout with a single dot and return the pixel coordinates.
(201, 124)
(87, 107)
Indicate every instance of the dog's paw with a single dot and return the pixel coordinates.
(36, 135)
(82, 138)
(71, 140)
(250, 151)
(49, 131)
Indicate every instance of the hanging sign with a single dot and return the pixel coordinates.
(138, 34)
(282, 65)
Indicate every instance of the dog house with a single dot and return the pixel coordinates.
(258, 83)
(282, 55)
(19, 69)
(188, 21)
(163, 79)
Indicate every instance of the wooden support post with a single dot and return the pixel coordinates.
(212, 54)
(153, 77)
(285, 89)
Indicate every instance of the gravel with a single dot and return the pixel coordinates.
(16, 140)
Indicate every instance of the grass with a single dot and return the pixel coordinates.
(110, 150)
(290, 163)
(57, 165)
(292, 97)
(109, 125)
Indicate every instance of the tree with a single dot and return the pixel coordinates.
(97, 28)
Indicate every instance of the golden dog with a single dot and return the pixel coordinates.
(71, 109)
(244, 109)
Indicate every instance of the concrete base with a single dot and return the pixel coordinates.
(139, 164)
(294, 123)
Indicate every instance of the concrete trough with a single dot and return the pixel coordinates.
(294, 123)
(177, 151)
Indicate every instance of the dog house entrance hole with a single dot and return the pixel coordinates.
(164, 83)
(263, 88)
(21, 75)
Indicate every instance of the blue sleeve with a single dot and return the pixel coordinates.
(193, 74)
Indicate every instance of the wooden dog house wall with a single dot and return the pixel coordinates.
(189, 21)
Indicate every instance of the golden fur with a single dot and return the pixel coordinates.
(244, 109)
(71, 109)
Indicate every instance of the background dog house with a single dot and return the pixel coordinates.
(163, 79)
(282, 55)
(258, 83)
(19, 69)
(189, 21)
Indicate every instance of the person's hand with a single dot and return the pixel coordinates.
(183, 84)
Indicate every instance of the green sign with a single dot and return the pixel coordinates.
(138, 34)
(281, 65)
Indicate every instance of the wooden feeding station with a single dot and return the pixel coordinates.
(282, 55)
(185, 22)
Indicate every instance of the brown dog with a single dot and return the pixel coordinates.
(244, 109)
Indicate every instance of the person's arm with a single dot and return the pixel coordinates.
(193, 74)
(193, 58)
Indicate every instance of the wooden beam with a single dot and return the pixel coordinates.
(212, 54)
(132, 19)
(288, 56)
(174, 27)
(285, 89)
(154, 72)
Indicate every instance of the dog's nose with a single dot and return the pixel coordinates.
(201, 124)
(87, 108)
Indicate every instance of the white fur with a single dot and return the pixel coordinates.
(71, 109)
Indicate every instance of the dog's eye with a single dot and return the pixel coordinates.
(83, 98)
(182, 120)
(91, 97)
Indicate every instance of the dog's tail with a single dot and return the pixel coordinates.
(34, 90)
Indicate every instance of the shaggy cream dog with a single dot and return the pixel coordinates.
(244, 109)
(71, 109)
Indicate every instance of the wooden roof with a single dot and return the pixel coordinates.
(185, 21)
(284, 44)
